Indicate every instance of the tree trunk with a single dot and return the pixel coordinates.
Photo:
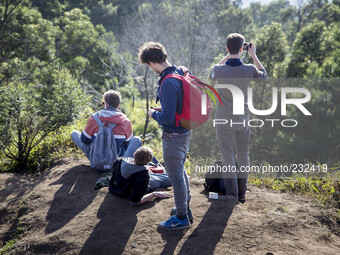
(21, 159)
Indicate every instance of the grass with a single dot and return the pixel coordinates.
(324, 189)
(18, 229)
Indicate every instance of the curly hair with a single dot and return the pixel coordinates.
(112, 98)
(152, 52)
(143, 155)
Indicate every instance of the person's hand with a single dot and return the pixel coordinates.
(224, 59)
(252, 49)
(150, 111)
(162, 194)
(159, 109)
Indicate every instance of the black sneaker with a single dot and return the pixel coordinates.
(103, 181)
(190, 216)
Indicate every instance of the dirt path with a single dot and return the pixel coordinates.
(61, 213)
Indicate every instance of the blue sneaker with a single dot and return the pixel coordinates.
(174, 223)
(190, 216)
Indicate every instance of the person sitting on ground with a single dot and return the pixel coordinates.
(122, 131)
(132, 179)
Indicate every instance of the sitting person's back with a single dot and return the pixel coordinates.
(112, 115)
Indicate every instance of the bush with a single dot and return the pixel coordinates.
(32, 112)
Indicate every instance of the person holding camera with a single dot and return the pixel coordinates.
(231, 70)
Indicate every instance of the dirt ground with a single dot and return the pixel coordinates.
(59, 212)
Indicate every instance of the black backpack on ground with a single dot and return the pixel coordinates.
(214, 181)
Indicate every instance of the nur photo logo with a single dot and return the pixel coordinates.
(240, 101)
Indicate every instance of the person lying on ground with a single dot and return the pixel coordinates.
(132, 179)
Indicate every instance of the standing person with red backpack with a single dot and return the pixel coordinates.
(175, 138)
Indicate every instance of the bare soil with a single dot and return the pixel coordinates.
(59, 212)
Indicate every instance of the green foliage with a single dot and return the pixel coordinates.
(271, 46)
(27, 45)
(307, 48)
(329, 13)
(326, 190)
(330, 63)
(315, 138)
(279, 11)
(78, 33)
(100, 12)
(33, 111)
(136, 112)
(226, 21)
(263, 15)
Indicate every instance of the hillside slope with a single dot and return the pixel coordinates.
(61, 213)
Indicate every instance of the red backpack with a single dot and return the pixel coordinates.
(196, 106)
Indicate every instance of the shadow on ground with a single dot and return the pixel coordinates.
(117, 222)
(75, 194)
(211, 228)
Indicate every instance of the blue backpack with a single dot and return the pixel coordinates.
(103, 150)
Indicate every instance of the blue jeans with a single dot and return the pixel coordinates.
(134, 144)
(85, 147)
(159, 181)
(235, 182)
(175, 149)
(156, 180)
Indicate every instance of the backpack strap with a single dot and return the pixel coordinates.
(176, 76)
(172, 75)
(100, 123)
(184, 69)
(112, 125)
(96, 118)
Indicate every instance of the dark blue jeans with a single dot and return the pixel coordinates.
(175, 149)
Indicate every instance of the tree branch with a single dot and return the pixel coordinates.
(7, 14)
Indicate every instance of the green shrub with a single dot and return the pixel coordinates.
(32, 112)
(55, 146)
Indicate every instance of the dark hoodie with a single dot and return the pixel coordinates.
(129, 180)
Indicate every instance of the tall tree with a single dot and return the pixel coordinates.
(271, 46)
(307, 48)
